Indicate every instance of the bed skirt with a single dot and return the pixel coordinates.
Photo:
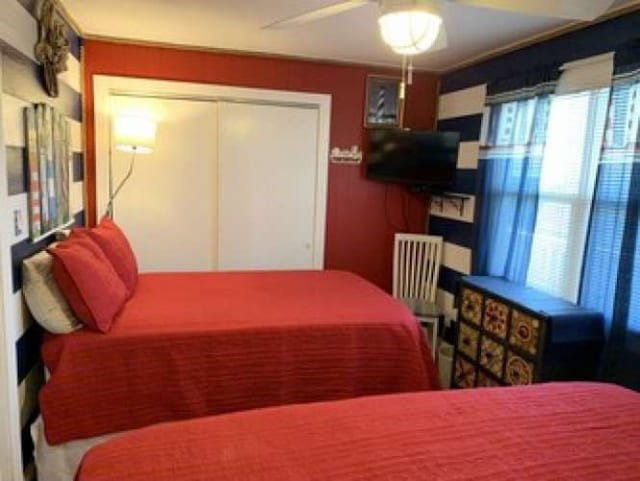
(60, 462)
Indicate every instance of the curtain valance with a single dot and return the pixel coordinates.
(524, 84)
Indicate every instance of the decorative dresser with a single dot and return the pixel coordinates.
(510, 334)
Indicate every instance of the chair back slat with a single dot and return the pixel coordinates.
(416, 266)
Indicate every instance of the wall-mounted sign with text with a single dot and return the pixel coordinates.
(351, 155)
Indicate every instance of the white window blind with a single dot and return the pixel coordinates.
(574, 139)
(576, 129)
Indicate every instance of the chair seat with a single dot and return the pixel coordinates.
(421, 307)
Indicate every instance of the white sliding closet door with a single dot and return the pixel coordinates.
(237, 179)
(267, 172)
(168, 206)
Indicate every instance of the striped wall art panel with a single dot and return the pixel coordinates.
(460, 111)
(21, 86)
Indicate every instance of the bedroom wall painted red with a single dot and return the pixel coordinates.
(362, 215)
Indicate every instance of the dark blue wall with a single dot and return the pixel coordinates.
(592, 40)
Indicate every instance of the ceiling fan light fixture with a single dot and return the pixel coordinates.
(410, 28)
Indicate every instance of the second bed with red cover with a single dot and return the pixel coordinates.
(194, 344)
(571, 431)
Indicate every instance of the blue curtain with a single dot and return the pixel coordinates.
(611, 268)
(509, 171)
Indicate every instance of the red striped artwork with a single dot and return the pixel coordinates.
(35, 218)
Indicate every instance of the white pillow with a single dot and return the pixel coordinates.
(62, 234)
(46, 303)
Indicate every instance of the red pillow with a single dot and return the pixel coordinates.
(116, 247)
(88, 281)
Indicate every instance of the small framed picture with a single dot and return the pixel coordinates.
(383, 106)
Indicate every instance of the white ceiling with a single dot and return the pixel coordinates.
(350, 37)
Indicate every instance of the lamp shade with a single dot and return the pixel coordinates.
(410, 28)
(134, 134)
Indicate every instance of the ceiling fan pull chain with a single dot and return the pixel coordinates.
(410, 72)
(403, 81)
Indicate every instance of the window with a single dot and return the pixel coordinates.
(612, 267)
(634, 296)
(539, 173)
(574, 136)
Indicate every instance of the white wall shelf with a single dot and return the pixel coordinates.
(456, 200)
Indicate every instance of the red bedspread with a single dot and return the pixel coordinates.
(189, 345)
(549, 432)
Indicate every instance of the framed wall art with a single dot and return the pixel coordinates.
(48, 157)
(383, 106)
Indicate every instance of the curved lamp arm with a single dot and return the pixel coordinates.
(109, 211)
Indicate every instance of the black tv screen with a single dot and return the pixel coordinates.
(418, 158)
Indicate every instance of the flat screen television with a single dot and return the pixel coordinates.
(417, 158)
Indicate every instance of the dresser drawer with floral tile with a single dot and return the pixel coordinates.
(471, 306)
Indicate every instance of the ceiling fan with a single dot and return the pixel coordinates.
(410, 27)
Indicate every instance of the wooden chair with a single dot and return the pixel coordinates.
(416, 267)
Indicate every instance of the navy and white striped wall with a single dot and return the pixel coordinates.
(460, 111)
(21, 86)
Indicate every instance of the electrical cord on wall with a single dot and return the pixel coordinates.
(404, 204)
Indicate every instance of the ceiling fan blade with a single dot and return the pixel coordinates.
(571, 9)
(317, 14)
(442, 41)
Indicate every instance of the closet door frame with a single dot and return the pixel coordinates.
(105, 86)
